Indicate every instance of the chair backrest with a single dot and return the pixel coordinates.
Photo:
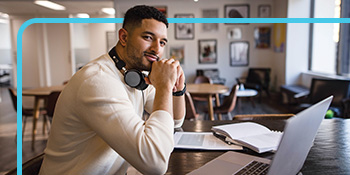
(232, 99)
(202, 79)
(30, 167)
(229, 102)
(190, 109)
(259, 76)
(322, 88)
(51, 102)
(13, 98)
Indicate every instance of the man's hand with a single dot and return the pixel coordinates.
(180, 81)
(160, 66)
(164, 74)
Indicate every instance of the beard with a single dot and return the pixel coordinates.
(137, 61)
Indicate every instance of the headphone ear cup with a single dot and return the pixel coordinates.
(143, 85)
(135, 79)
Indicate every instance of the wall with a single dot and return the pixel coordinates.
(98, 44)
(324, 47)
(297, 41)
(5, 44)
(59, 55)
(257, 57)
(45, 50)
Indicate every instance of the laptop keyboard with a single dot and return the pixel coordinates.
(253, 168)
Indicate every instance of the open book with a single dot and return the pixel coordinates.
(202, 141)
(251, 135)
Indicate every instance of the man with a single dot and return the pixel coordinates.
(97, 126)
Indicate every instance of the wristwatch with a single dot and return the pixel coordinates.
(180, 93)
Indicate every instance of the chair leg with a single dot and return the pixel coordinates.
(24, 126)
(48, 123)
(219, 116)
(44, 124)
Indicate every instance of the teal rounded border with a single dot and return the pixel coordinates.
(120, 20)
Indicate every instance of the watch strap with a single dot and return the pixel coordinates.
(180, 93)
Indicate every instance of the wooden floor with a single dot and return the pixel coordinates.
(8, 126)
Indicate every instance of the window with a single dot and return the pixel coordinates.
(344, 41)
(324, 37)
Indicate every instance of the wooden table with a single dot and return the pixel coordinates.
(209, 90)
(39, 93)
(328, 155)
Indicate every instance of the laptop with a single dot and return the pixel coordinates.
(298, 136)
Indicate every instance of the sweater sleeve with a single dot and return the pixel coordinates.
(104, 106)
(149, 105)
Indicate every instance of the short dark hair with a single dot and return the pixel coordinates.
(134, 16)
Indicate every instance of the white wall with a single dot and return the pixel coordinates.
(98, 39)
(297, 41)
(59, 55)
(45, 50)
(5, 44)
(324, 47)
(30, 68)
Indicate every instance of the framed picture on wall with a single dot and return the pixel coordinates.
(236, 11)
(234, 33)
(162, 9)
(262, 37)
(207, 51)
(177, 53)
(184, 30)
(264, 11)
(210, 13)
(239, 53)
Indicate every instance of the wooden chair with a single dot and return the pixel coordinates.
(26, 112)
(198, 80)
(262, 116)
(191, 113)
(228, 104)
(30, 167)
(51, 104)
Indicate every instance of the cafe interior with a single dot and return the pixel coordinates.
(262, 71)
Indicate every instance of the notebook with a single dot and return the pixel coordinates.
(296, 142)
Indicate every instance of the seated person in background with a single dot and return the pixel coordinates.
(98, 127)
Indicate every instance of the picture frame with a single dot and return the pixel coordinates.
(236, 11)
(239, 53)
(177, 52)
(162, 9)
(207, 51)
(184, 31)
(264, 11)
(234, 33)
(210, 13)
(262, 37)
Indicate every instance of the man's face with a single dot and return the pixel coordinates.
(145, 44)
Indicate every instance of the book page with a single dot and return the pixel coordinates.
(240, 130)
(201, 140)
(262, 143)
